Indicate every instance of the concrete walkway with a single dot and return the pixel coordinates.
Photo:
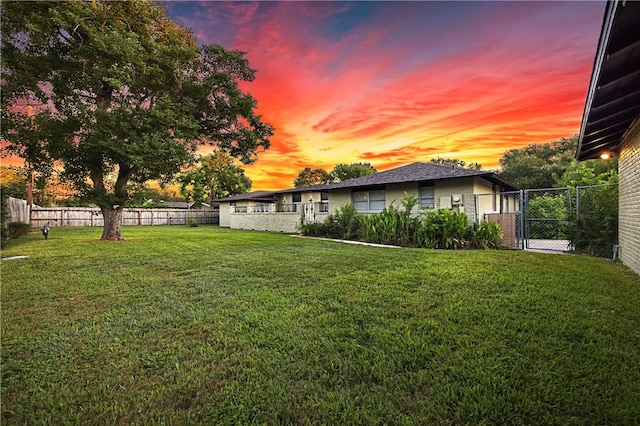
(348, 242)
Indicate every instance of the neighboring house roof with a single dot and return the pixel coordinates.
(613, 100)
(266, 196)
(415, 172)
(181, 204)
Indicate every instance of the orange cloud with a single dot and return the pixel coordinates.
(397, 82)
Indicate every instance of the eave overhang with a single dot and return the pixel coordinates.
(613, 99)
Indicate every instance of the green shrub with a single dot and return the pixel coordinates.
(381, 228)
(595, 232)
(445, 228)
(484, 235)
(18, 229)
(437, 229)
(344, 224)
(191, 221)
(4, 232)
(315, 229)
(392, 225)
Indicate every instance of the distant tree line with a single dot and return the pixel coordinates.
(553, 165)
(340, 172)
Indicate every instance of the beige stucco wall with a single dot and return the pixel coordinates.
(339, 198)
(629, 204)
(287, 198)
(489, 201)
(315, 196)
(463, 186)
(275, 222)
(283, 198)
(225, 214)
(481, 186)
(226, 211)
(393, 194)
(467, 187)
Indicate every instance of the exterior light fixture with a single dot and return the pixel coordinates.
(605, 155)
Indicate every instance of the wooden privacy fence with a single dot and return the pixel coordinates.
(87, 216)
(18, 210)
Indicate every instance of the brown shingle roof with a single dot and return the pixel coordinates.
(414, 172)
(254, 195)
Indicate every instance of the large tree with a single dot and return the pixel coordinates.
(343, 172)
(588, 173)
(455, 162)
(538, 165)
(115, 92)
(553, 165)
(217, 176)
(309, 176)
(13, 181)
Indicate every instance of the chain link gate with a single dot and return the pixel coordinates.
(536, 219)
(543, 219)
(547, 218)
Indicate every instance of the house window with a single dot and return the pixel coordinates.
(324, 201)
(297, 197)
(427, 196)
(368, 200)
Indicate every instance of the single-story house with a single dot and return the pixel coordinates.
(436, 186)
(610, 123)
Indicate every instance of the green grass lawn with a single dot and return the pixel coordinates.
(205, 325)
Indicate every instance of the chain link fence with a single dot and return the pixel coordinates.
(584, 219)
(594, 230)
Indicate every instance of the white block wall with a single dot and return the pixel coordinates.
(274, 222)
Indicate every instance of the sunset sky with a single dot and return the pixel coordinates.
(392, 82)
(396, 82)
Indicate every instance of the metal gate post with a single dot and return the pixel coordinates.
(475, 206)
(522, 219)
(578, 196)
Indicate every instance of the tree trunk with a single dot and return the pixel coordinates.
(112, 220)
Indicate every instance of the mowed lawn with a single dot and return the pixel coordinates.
(205, 325)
